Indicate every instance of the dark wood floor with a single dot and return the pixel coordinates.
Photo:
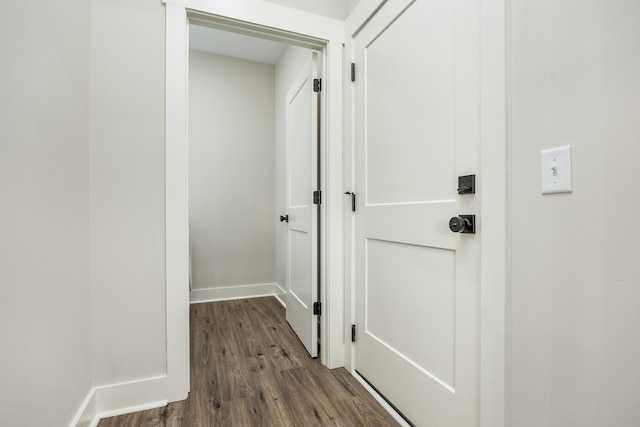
(248, 368)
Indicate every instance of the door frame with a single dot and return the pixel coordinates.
(275, 22)
(494, 225)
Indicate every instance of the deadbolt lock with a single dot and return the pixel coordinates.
(467, 184)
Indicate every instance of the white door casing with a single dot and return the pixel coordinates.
(417, 128)
(301, 182)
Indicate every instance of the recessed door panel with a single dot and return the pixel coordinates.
(410, 304)
(300, 266)
(300, 147)
(410, 133)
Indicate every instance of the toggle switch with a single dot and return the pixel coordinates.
(556, 170)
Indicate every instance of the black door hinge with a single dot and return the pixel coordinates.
(317, 85)
(317, 197)
(353, 333)
(353, 72)
(317, 308)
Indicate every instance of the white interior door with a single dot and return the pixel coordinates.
(417, 282)
(302, 181)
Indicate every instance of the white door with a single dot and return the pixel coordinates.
(417, 282)
(302, 181)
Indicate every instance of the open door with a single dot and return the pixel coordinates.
(302, 213)
(417, 281)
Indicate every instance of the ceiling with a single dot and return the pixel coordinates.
(225, 43)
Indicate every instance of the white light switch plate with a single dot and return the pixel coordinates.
(556, 170)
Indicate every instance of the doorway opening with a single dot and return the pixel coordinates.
(255, 184)
(298, 30)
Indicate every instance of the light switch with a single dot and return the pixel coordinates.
(556, 170)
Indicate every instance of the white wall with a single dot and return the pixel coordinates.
(287, 69)
(576, 275)
(127, 190)
(231, 171)
(45, 369)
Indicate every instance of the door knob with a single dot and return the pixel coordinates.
(463, 224)
(284, 218)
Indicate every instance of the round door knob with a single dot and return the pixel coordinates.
(458, 224)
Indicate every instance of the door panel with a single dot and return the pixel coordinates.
(422, 293)
(412, 56)
(300, 268)
(302, 180)
(417, 298)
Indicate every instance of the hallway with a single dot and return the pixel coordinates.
(249, 369)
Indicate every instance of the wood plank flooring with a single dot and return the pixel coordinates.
(248, 368)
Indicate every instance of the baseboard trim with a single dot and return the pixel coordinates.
(126, 397)
(131, 409)
(280, 294)
(88, 411)
(227, 293)
(121, 398)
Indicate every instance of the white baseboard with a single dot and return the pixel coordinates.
(280, 294)
(123, 398)
(87, 415)
(131, 396)
(233, 292)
